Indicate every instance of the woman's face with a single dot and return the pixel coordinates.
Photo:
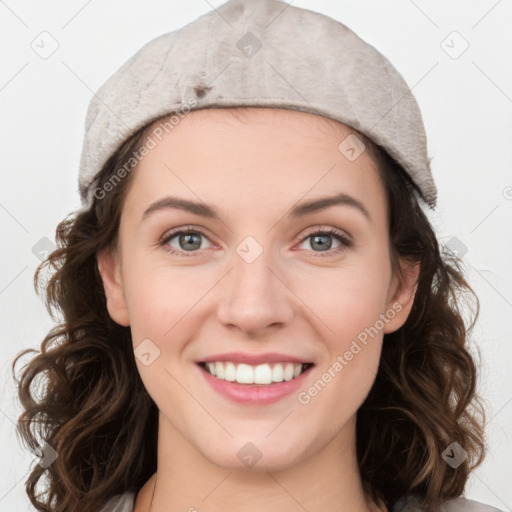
(253, 276)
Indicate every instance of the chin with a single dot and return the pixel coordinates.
(249, 454)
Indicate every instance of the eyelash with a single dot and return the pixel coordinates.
(344, 241)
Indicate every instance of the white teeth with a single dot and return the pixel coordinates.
(260, 374)
(288, 371)
(244, 374)
(219, 370)
(277, 373)
(230, 372)
(263, 374)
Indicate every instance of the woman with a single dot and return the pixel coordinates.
(257, 315)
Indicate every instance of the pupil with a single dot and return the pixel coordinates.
(189, 237)
(322, 245)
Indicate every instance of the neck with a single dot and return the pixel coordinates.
(185, 481)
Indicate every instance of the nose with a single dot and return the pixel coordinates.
(255, 297)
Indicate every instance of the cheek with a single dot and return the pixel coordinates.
(158, 296)
(347, 303)
(352, 345)
(147, 309)
(163, 304)
(347, 300)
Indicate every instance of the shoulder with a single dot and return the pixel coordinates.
(410, 503)
(120, 503)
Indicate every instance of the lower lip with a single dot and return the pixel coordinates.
(255, 394)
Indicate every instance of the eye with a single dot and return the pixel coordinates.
(188, 242)
(321, 239)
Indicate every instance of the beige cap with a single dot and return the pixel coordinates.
(259, 53)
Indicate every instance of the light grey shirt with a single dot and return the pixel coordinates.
(125, 503)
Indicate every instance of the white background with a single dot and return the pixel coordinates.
(467, 107)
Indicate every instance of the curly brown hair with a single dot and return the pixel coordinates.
(97, 415)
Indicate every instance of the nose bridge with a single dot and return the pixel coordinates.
(253, 296)
(252, 266)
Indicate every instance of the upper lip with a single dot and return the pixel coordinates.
(254, 359)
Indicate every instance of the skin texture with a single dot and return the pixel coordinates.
(292, 299)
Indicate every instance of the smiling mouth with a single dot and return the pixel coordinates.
(261, 374)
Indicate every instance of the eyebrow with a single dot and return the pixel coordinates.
(299, 210)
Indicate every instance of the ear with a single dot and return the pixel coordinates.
(402, 293)
(110, 270)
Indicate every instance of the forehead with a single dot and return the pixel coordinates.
(255, 157)
(316, 125)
